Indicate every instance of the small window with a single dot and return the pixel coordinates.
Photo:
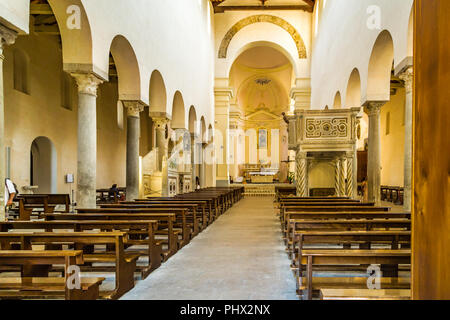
(388, 123)
(21, 71)
(120, 114)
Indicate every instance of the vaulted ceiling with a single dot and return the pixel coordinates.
(228, 5)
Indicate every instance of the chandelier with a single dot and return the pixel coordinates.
(263, 81)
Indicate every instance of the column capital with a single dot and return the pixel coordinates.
(133, 107)
(407, 77)
(301, 155)
(7, 36)
(160, 122)
(87, 83)
(373, 107)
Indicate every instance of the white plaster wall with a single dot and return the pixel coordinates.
(15, 14)
(174, 37)
(263, 32)
(344, 42)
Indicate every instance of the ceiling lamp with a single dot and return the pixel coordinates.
(263, 81)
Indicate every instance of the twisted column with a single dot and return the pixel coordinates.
(301, 171)
(342, 176)
(349, 191)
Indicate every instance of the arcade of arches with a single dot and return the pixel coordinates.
(166, 98)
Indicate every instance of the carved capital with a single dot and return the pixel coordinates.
(160, 122)
(407, 77)
(374, 107)
(133, 108)
(8, 36)
(87, 83)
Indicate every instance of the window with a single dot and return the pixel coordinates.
(120, 114)
(20, 71)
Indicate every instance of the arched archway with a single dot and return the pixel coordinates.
(43, 165)
(223, 50)
(337, 104)
(380, 67)
(158, 95)
(353, 96)
(127, 69)
(178, 112)
(192, 120)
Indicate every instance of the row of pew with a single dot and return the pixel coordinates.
(39, 257)
(344, 249)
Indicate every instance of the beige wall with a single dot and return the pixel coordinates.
(321, 175)
(392, 145)
(40, 113)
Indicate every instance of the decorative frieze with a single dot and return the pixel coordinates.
(326, 127)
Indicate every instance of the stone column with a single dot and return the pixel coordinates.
(194, 160)
(87, 139)
(203, 165)
(301, 94)
(350, 181)
(7, 37)
(407, 77)
(161, 141)
(374, 154)
(133, 135)
(301, 174)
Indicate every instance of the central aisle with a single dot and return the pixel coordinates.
(240, 256)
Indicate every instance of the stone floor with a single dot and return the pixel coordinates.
(240, 256)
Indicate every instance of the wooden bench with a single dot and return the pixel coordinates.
(181, 215)
(365, 294)
(343, 225)
(42, 287)
(125, 263)
(145, 230)
(165, 225)
(348, 257)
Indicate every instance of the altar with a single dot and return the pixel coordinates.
(261, 177)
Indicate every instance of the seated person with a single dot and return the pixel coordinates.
(113, 192)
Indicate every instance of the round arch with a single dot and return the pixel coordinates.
(353, 96)
(158, 93)
(223, 49)
(192, 120)
(337, 104)
(127, 69)
(380, 68)
(203, 131)
(43, 165)
(178, 112)
(79, 57)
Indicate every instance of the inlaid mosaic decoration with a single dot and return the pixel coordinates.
(326, 128)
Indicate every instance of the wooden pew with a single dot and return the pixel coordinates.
(195, 220)
(37, 201)
(42, 287)
(145, 228)
(296, 225)
(181, 215)
(348, 257)
(125, 263)
(365, 294)
(165, 224)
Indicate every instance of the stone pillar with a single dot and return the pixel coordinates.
(133, 135)
(374, 154)
(203, 165)
(7, 37)
(407, 77)
(161, 141)
(301, 94)
(222, 97)
(87, 139)
(350, 173)
(301, 174)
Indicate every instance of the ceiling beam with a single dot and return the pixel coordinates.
(40, 8)
(221, 9)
